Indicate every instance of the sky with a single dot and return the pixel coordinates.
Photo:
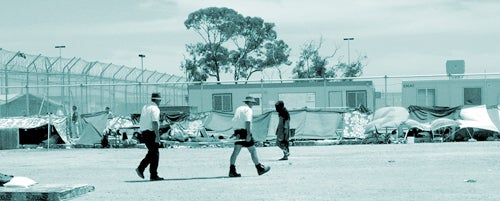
(399, 37)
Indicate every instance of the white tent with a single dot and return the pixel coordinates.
(476, 117)
(387, 117)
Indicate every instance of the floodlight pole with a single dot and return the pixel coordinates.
(142, 74)
(60, 47)
(348, 50)
(142, 66)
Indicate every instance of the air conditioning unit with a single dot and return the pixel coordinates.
(455, 68)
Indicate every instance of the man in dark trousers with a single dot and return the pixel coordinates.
(283, 129)
(242, 121)
(149, 126)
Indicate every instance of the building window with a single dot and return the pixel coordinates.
(257, 98)
(222, 102)
(426, 97)
(472, 96)
(356, 98)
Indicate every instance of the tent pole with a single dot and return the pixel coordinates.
(48, 132)
(41, 105)
(471, 137)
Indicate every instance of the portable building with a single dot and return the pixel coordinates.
(296, 95)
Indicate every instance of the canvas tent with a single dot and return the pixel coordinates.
(28, 105)
(494, 114)
(428, 114)
(476, 117)
(30, 125)
(439, 123)
(387, 117)
(410, 123)
(307, 124)
(432, 119)
(119, 122)
(91, 127)
(479, 117)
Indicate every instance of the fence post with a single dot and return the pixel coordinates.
(385, 91)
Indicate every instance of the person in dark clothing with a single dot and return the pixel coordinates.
(283, 129)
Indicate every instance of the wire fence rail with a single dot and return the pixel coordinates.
(90, 85)
(37, 85)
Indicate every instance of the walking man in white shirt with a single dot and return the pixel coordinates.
(243, 130)
(149, 126)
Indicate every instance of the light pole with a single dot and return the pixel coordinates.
(142, 66)
(60, 47)
(348, 50)
(142, 75)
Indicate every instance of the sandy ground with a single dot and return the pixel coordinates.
(423, 171)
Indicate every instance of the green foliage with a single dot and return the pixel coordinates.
(312, 65)
(352, 70)
(255, 46)
(213, 59)
(214, 25)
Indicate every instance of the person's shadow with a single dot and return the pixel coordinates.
(182, 179)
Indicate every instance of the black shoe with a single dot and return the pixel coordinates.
(284, 158)
(157, 178)
(262, 169)
(139, 173)
(232, 172)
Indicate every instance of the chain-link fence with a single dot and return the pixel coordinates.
(91, 86)
(55, 84)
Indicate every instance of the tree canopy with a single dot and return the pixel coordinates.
(312, 65)
(231, 42)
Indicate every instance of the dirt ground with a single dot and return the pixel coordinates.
(423, 171)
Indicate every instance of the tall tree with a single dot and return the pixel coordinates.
(254, 47)
(190, 65)
(215, 26)
(277, 53)
(313, 65)
(354, 69)
(257, 48)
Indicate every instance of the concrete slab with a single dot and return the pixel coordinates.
(44, 192)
